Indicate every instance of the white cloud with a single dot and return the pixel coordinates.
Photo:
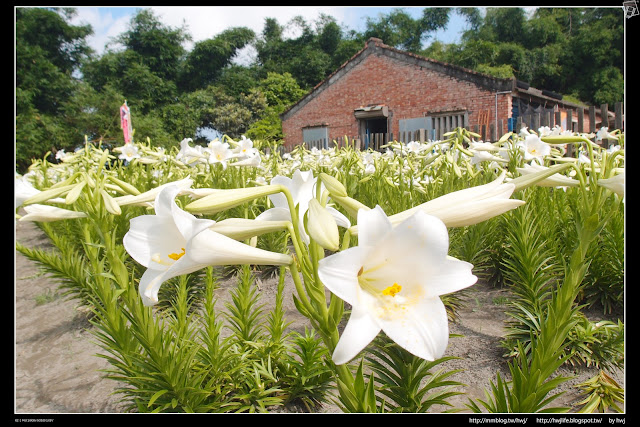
(105, 25)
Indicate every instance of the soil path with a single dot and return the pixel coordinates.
(57, 370)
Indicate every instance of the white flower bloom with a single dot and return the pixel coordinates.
(191, 155)
(415, 147)
(615, 184)
(173, 242)
(534, 148)
(544, 131)
(524, 132)
(603, 133)
(480, 156)
(466, 207)
(555, 180)
(252, 159)
(23, 191)
(393, 280)
(219, 153)
(128, 152)
(245, 148)
(302, 188)
(60, 154)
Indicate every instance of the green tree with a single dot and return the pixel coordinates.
(311, 56)
(145, 72)
(208, 58)
(575, 51)
(280, 91)
(159, 47)
(48, 51)
(399, 29)
(597, 44)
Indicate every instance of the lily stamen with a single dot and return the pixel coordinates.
(392, 290)
(175, 256)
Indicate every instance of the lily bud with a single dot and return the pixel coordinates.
(46, 213)
(73, 195)
(110, 204)
(241, 228)
(48, 194)
(465, 207)
(128, 188)
(322, 226)
(352, 206)
(149, 196)
(334, 186)
(225, 199)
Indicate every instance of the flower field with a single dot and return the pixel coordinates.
(380, 248)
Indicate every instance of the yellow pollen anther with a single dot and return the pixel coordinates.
(392, 290)
(176, 257)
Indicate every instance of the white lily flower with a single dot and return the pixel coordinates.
(603, 133)
(613, 149)
(23, 191)
(524, 132)
(302, 188)
(483, 155)
(60, 154)
(46, 213)
(220, 153)
(615, 184)
(128, 152)
(415, 147)
(534, 148)
(393, 280)
(252, 159)
(173, 242)
(465, 207)
(245, 148)
(189, 154)
(555, 180)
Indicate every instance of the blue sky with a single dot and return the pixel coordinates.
(204, 22)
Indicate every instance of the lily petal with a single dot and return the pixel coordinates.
(361, 329)
(338, 272)
(424, 331)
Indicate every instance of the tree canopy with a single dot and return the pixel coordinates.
(65, 91)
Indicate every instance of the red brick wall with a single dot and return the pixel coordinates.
(408, 90)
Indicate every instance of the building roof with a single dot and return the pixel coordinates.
(491, 83)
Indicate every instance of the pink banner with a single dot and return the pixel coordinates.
(125, 123)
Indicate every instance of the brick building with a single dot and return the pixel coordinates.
(383, 93)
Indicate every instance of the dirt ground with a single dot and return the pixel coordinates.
(57, 370)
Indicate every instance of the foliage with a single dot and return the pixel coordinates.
(407, 383)
(602, 392)
(208, 58)
(549, 48)
(399, 29)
